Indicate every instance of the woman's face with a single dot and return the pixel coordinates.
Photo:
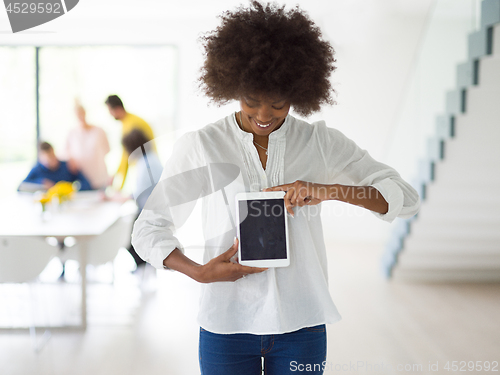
(262, 115)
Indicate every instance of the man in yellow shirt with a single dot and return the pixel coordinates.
(129, 123)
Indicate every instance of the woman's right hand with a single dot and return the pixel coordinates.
(221, 268)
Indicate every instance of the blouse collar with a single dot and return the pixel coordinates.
(276, 134)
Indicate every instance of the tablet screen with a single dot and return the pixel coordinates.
(262, 232)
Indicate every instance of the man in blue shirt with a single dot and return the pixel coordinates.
(49, 170)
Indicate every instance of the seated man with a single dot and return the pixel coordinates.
(50, 170)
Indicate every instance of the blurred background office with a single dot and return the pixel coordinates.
(416, 85)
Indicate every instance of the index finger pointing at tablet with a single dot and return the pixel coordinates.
(283, 187)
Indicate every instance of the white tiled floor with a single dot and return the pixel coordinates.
(150, 327)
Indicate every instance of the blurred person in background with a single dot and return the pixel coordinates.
(49, 170)
(86, 148)
(148, 169)
(129, 123)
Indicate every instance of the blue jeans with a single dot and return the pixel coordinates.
(302, 351)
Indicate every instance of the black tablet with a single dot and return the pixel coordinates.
(262, 229)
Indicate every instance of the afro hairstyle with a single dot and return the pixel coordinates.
(267, 50)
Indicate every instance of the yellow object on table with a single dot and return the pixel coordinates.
(63, 190)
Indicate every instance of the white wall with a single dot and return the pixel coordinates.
(444, 46)
(375, 43)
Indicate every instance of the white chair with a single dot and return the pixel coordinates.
(22, 259)
(104, 248)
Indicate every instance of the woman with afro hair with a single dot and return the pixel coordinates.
(270, 60)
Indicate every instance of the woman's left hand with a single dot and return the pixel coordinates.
(301, 193)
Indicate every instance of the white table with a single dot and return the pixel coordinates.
(84, 218)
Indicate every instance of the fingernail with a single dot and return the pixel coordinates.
(234, 241)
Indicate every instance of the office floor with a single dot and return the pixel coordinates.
(147, 325)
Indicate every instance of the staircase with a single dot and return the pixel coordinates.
(456, 235)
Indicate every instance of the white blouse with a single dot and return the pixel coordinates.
(220, 160)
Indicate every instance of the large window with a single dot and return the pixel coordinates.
(17, 114)
(144, 78)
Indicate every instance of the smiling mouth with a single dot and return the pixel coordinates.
(263, 125)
